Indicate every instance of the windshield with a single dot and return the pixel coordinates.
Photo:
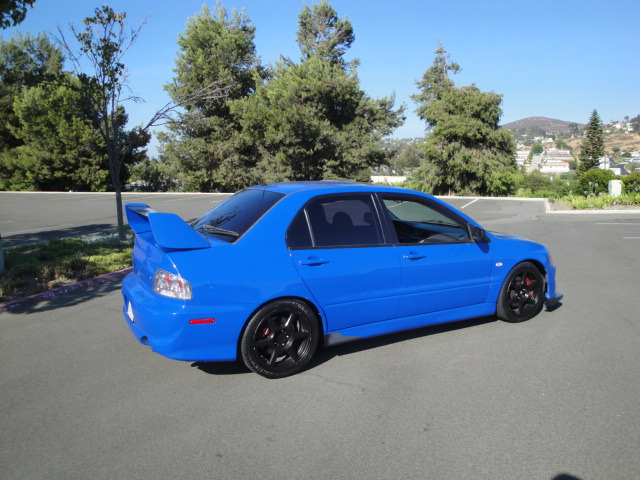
(233, 217)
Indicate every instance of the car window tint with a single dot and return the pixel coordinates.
(298, 235)
(237, 213)
(343, 221)
(418, 222)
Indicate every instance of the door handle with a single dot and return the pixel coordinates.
(313, 261)
(414, 256)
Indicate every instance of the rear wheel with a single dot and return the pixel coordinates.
(522, 295)
(280, 339)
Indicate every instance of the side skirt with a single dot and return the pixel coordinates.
(407, 323)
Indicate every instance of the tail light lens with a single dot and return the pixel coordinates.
(171, 285)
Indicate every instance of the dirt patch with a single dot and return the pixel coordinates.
(556, 206)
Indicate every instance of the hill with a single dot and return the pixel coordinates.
(626, 142)
(541, 125)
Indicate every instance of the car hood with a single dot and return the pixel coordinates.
(505, 236)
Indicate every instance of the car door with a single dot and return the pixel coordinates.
(338, 247)
(442, 268)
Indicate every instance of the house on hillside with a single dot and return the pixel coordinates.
(522, 156)
(556, 161)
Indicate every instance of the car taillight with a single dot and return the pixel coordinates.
(171, 285)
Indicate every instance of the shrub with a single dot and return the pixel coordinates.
(632, 183)
(594, 182)
(539, 185)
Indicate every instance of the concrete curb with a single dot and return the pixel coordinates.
(60, 291)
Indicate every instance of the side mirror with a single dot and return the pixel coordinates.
(477, 234)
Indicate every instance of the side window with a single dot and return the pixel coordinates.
(417, 222)
(336, 221)
(298, 235)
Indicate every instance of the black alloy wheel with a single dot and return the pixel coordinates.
(522, 295)
(280, 339)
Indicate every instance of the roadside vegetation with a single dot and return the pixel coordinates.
(36, 268)
(587, 191)
(579, 202)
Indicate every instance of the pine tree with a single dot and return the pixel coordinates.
(312, 121)
(25, 61)
(592, 148)
(435, 83)
(204, 146)
(322, 33)
(466, 153)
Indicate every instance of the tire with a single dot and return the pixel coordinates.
(522, 295)
(280, 339)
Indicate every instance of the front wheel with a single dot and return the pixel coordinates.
(522, 295)
(280, 339)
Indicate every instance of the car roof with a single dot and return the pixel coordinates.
(291, 187)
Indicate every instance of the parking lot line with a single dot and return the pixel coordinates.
(466, 205)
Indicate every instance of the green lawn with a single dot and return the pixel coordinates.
(39, 267)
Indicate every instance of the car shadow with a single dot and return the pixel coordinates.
(553, 308)
(221, 368)
(325, 354)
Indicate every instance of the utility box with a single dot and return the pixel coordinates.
(615, 188)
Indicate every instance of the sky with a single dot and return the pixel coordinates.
(549, 58)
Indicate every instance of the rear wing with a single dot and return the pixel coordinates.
(168, 229)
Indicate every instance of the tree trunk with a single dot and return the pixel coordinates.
(115, 181)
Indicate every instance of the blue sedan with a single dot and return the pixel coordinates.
(275, 270)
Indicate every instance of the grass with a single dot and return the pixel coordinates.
(40, 267)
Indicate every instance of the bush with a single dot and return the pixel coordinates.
(632, 183)
(602, 201)
(594, 182)
(539, 185)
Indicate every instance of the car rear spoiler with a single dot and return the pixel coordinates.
(168, 229)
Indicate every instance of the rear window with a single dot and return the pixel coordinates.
(233, 217)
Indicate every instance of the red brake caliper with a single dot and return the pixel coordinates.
(528, 282)
(265, 332)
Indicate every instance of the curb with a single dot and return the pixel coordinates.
(60, 291)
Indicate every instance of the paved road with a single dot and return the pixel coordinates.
(27, 217)
(558, 395)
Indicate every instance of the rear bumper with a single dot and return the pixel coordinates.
(164, 324)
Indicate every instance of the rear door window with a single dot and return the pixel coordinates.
(336, 221)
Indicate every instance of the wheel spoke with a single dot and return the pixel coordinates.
(288, 322)
(523, 304)
(514, 302)
(265, 342)
(292, 351)
(299, 335)
(275, 353)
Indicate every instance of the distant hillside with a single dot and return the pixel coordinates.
(540, 125)
(626, 142)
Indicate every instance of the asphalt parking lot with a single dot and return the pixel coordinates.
(557, 397)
